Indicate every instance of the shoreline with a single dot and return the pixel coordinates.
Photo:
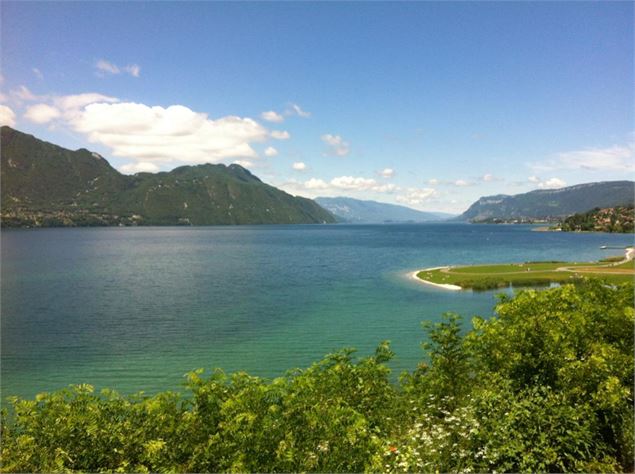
(444, 286)
(629, 255)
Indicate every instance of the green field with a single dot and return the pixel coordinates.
(487, 277)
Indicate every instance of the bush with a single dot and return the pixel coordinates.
(544, 385)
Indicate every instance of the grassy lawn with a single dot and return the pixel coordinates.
(486, 277)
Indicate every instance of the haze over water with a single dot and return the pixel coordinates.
(135, 308)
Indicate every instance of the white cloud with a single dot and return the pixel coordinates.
(23, 93)
(295, 109)
(298, 166)
(385, 188)
(244, 163)
(66, 107)
(72, 103)
(350, 182)
(271, 151)
(170, 134)
(488, 178)
(315, 183)
(133, 69)
(533, 179)
(462, 183)
(613, 158)
(41, 113)
(105, 67)
(433, 182)
(139, 167)
(417, 196)
(387, 172)
(337, 145)
(7, 116)
(280, 135)
(272, 116)
(38, 73)
(552, 183)
(145, 134)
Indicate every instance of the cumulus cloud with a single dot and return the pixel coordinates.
(295, 109)
(613, 158)
(387, 172)
(533, 179)
(104, 68)
(152, 134)
(62, 107)
(488, 178)
(336, 145)
(41, 113)
(280, 135)
(244, 163)
(70, 103)
(272, 116)
(433, 182)
(315, 183)
(7, 116)
(551, 183)
(271, 151)
(385, 188)
(417, 196)
(299, 166)
(160, 134)
(139, 167)
(349, 183)
(462, 183)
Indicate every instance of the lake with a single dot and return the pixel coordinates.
(135, 308)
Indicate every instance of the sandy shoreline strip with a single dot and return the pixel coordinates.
(438, 285)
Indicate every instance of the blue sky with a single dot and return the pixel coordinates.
(431, 105)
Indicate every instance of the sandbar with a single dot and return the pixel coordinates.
(438, 285)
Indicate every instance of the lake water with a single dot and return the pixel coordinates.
(135, 308)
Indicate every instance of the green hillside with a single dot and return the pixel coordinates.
(46, 185)
(551, 204)
(612, 219)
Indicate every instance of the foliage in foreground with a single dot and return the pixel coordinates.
(545, 385)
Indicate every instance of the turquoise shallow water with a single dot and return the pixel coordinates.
(135, 308)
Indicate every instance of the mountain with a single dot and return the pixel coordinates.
(551, 204)
(367, 212)
(47, 185)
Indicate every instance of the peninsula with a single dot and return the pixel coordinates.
(488, 277)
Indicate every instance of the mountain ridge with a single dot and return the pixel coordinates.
(44, 184)
(551, 204)
(360, 211)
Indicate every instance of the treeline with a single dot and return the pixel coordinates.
(544, 385)
(612, 219)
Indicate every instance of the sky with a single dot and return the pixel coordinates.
(425, 104)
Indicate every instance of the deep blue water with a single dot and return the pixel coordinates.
(135, 308)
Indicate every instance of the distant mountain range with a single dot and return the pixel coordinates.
(47, 185)
(551, 204)
(372, 212)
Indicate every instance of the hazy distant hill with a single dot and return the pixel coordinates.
(552, 203)
(357, 211)
(44, 184)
